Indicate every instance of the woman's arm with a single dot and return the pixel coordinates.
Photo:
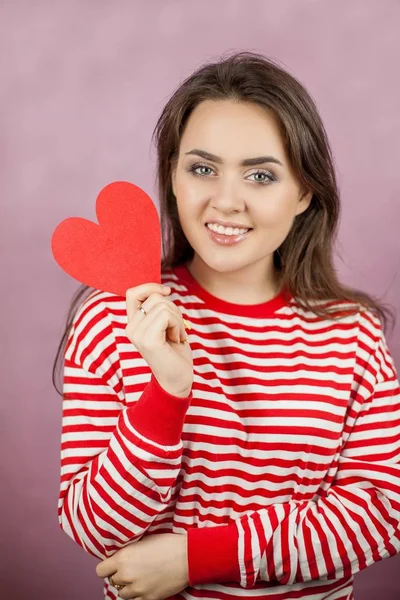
(356, 523)
(119, 463)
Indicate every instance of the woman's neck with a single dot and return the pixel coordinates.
(231, 288)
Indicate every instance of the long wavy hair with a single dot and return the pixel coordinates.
(305, 258)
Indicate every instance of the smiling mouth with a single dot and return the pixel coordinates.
(227, 240)
(248, 229)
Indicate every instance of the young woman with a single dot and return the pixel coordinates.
(262, 458)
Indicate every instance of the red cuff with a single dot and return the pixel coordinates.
(213, 554)
(159, 415)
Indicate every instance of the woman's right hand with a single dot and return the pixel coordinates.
(157, 336)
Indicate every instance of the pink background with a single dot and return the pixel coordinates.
(81, 88)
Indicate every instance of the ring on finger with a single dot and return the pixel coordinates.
(116, 585)
(140, 307)
(185, 341)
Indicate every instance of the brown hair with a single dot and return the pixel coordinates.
(305, 258)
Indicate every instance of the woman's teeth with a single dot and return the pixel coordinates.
(226, 230)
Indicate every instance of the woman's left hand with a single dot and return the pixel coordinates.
(153, 568)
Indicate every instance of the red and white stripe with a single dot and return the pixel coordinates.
(289, 444)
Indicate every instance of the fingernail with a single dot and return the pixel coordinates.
(188, 325)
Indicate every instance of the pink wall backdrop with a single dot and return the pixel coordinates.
(82, 85)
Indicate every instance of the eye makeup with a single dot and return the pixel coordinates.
(270, 176)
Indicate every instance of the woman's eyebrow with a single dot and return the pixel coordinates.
(247, 162)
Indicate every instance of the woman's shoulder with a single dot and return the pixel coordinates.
(95, 325)
(338, 308)
(99, 304)
(360, 320)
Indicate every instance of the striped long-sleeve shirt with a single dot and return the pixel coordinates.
(282, 465)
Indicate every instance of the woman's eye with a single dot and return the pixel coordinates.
(267, 177)
(195, 167)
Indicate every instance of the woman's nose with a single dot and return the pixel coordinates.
(227, 194)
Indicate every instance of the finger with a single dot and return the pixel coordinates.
(182, 331)
(115, 581)
(138, 294)
(186, 325)
(105, 568)
(158, 299)
(175, 332)
(160, 322)
(140, 319)
(128, 592)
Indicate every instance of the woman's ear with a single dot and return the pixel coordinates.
(173, 178)
(304, 202)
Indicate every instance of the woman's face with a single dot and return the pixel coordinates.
(265, 196)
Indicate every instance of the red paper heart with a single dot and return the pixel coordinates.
(122, 251)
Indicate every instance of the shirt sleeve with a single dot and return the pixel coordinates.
(119, 462)
(356, 524)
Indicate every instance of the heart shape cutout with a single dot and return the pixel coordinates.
(122, 251)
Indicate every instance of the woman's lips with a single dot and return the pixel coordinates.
(226, 240)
